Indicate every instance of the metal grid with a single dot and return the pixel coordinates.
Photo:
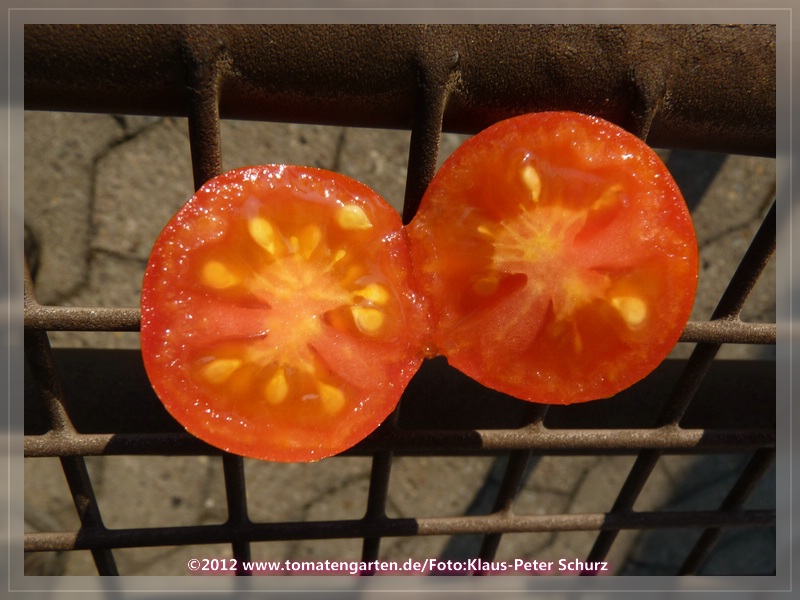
(218, 70)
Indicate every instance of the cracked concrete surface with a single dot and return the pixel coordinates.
(98, 189)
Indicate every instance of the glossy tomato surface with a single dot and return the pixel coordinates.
(278, 319)
(559, 257)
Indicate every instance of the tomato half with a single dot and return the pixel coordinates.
(278, 319)
(559, 258)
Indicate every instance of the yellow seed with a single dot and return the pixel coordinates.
(218, 276)
(310, 237)
(368, 320)
(532, 181)
(486, 285)
(632, 309)
(220, 369)
(263, 233)
(352, 216)
(374, 292)
(277, 388)
(484, 230)
(332, 398)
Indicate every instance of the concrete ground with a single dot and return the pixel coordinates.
(98, 189)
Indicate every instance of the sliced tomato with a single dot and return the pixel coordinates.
(559, 258)
(278, 318)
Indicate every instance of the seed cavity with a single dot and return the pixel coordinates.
(609, 198)
(220, 369)
(532, 181)
(218, 276)
(353, 217)
(332, 397)
(277, 388)
(263, 233)
(577, 343)
(485, 286)
(632, 309)
(368, 320)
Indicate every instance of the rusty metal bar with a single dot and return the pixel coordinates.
(750, 477)
(83, 318)
(437, 79)
(514, 477)
(623, 505)
(730, 331)
(39, 357)
(432, 442)
(730, 305)
(205, 62)
(80, 486)
(517, 468)
(758, 254)
(236, 496)
(659, 81)
(40, 360)
(377, 497)
(344, 529)
(378, 494)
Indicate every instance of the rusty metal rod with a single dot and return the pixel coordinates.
(236, 497)
(83, 496)
(431, 442)
(709, 87)
(87, 318)
(750, 477)
(389, 527)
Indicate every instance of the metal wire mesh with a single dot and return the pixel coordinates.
(487, 426)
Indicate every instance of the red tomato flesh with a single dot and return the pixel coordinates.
(558, 256)
(278, 318)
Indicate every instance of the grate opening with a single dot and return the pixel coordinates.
(696, 406)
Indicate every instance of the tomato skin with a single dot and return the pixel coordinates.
(559, 258)
(279, 320)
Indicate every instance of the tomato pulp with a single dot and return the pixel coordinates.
(278, 316)
(559, 258)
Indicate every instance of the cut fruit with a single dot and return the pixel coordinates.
(290, 329)
(558, 256)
